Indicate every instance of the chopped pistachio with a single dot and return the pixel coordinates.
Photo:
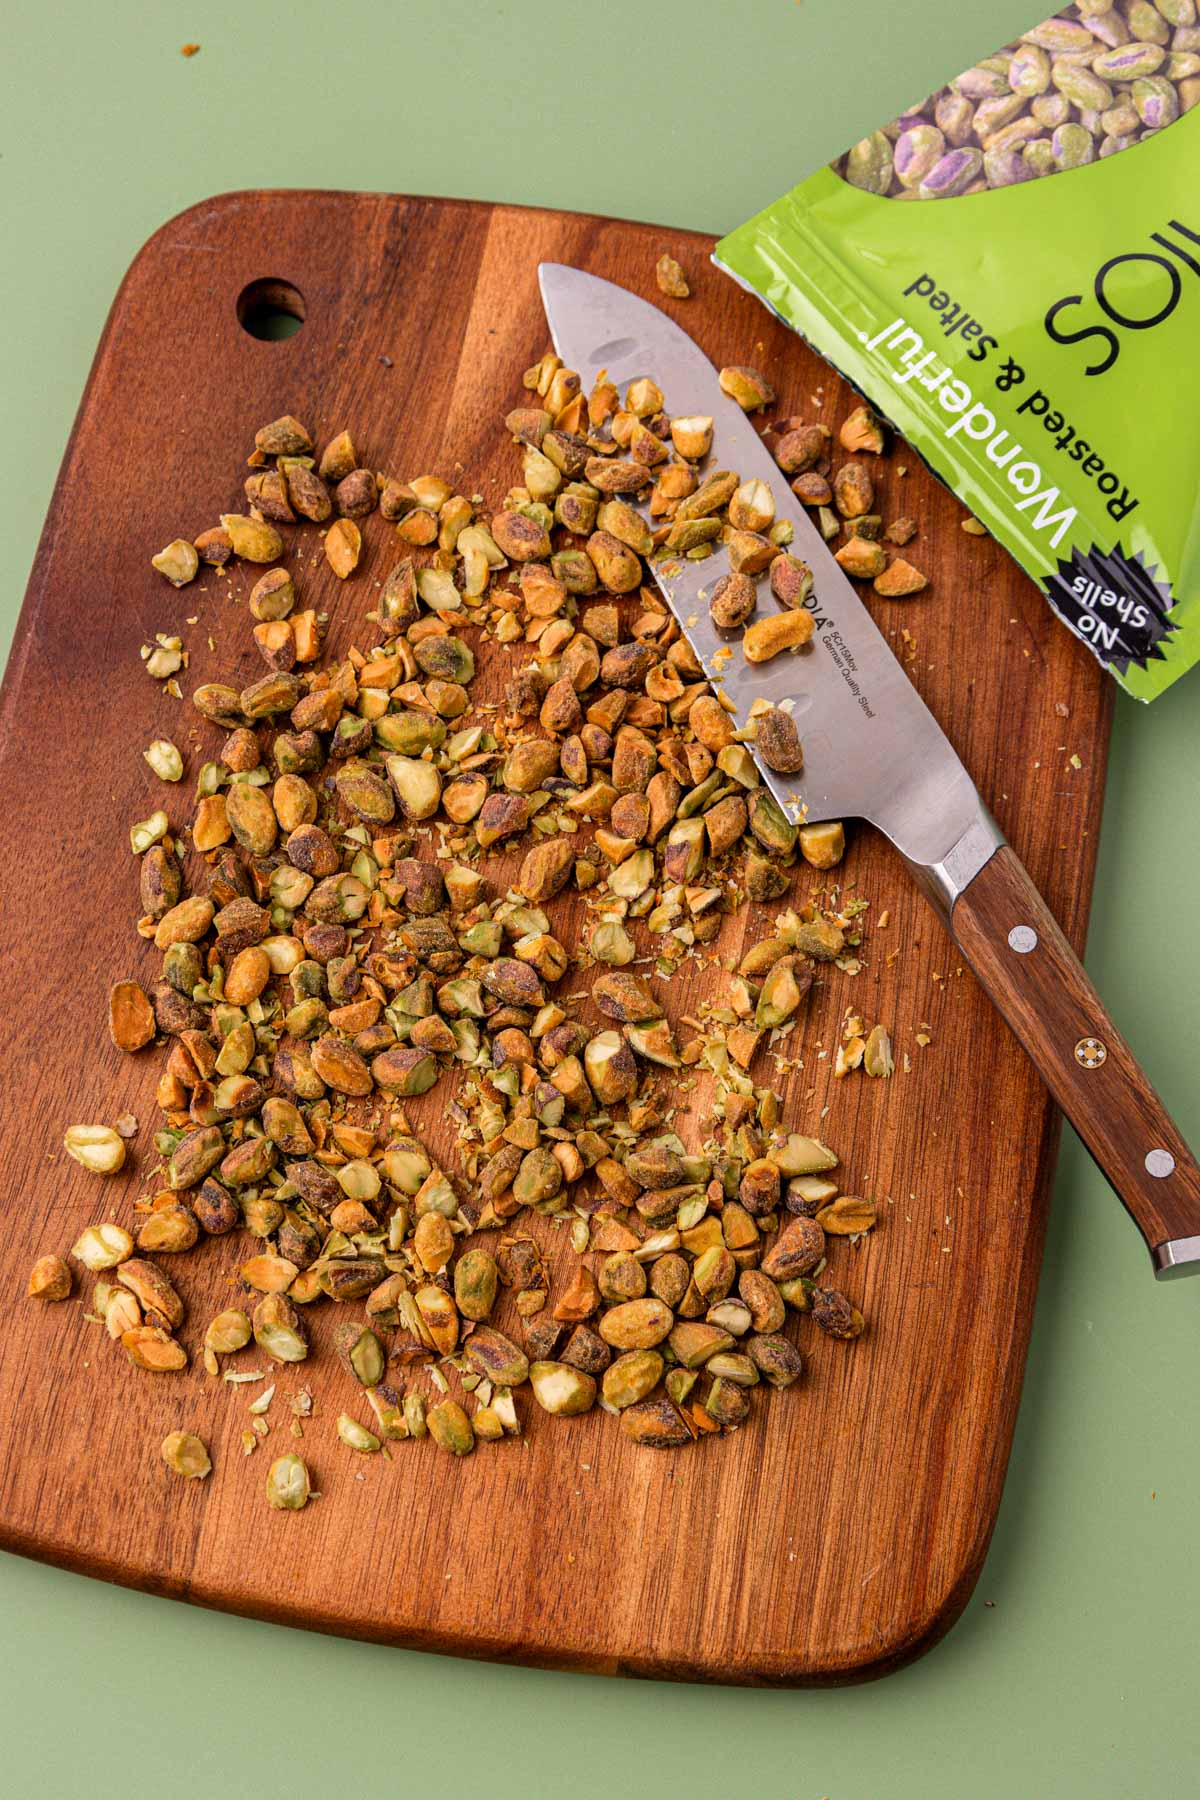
(165, 760)
(288, 1484)
(187, 1455)
(97, 1148)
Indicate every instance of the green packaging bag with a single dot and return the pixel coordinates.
(1037, 337)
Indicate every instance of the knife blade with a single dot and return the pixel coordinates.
(873, 750)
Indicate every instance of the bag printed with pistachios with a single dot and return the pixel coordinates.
(1036, 340)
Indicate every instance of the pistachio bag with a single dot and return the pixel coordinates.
(1038, 338)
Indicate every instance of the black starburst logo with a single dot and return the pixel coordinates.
(1115, 603)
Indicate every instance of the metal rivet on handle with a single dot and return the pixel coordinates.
(1160, 1163)
(1090, 1052)
(1022, 939)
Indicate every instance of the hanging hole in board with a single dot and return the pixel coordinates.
(271, 309)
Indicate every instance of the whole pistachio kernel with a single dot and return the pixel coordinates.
(476, 1278)
(450, 1428)
(952, 174)
(1156, 100)
(1072, 146)
(917, 151)
(869, 164)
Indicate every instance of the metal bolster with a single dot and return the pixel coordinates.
(1178, 1256)
(942, 882)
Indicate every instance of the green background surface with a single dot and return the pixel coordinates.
(1074, 1669)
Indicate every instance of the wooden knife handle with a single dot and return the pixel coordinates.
(1012, 941)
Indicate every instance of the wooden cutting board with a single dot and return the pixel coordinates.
(841, 1531)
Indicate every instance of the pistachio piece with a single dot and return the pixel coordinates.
(285, 436)
(252, 539)
(745, 385)
(782, 631)
(97, 1148)
(847, 1216)
(727, 1403)
(492, 1355)
(186, 1455)
(343, 547)
(356, 1436)
(288, 1483)
(49, 1279)
(877, 1056)
(636, 1324)
(834, 1314)
(560, 1389)
(151, 1348)
(778, 742)
(656, 1423)
(131, 1022)
(279, 1331)
(732, 601)
(417, 784)
(179, 562)
(796, 1251)
(609, 1066)
(694, 1342)
(823, 845)
(862, 558)
(692, 437)
(228, 1332)
(898, 579)
(670, 278)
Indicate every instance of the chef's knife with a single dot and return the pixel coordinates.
(873, 750)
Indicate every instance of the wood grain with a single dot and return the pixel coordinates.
(841, 1531)
(1062, 1023)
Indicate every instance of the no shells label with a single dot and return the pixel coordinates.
(1115, 603)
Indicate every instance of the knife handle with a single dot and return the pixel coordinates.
(1013, 943)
